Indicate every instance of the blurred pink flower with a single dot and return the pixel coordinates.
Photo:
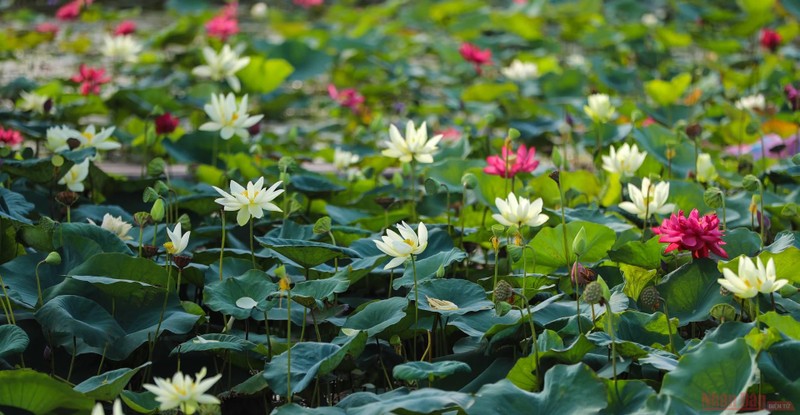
(450, 134)
(509, 164)
(47, 27)
(349, 97)
(701, 235)
(770, 39)
(225, 24)
(90, 79)
(125, 28)
(307, 3)
(166, 123)
(793, 96)
(10, 138)
(70, 11)
(475, 56)
(776, 147)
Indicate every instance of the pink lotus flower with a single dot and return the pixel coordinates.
(450, 134)
(648, 121)
(349, 97)
(166, 123)
(222, 27)
(307, 3)
(770, 39)
(793, 96)
(69, 11)
(90, 79)
(125, 28)
(475, 56)
(701, 235)
(10, 138)
(776, 147)
(508, 165)
(47, 27)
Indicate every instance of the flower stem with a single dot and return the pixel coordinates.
(38, 285)
(252, 251)
(567, 254)
(763, 219)
(416, 305)
(222, 246)
(530, 315)
(669, 328)
(7, 303)
(613, 347)
(289, 345)
(496, 272)
(413, 191)
(140, 240)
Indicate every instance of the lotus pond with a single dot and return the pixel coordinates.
(373, 207)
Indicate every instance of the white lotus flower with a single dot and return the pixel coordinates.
(75, 176)
(402, 246)
(184, 393)
(116, 409)
(599, 109)
(343, 159)
(650, 199)
(649, 19)
(57, 138)
(91, 138)
(124, 48)
(115, 225)
(520, 71)
(228, 118)
(706, 172)
(518, 211)
(222, 65)
(259, 10)
(625, 160)
(31, 101)
(751, 103)
(414, 146)
(250, 202)
(752, 278)
(576, 60)
(178, 241)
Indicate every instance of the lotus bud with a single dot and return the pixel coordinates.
(53, 258)
(579, 243)
(323, 225)
(751, 183)
(713, 197)
(157, 211)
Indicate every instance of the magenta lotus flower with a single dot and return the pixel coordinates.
(47, 27)
(349, 98)
(90, 79)
(793, 96)
(475, 56)
(307, 3)
(509, 164)
(225, 24)
(125, 28)
(701, 235)
(10, 138)
(770, 39)
(69, 11)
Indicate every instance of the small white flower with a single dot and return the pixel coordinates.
(75, 176)
(229, 118)
(57, 138)
(31, 101)
(576, 60)
(752, 278)
(650, 199)
(599, 109)
(115, 225)
(520, 71)
(178, 241)
(222, 65)
(414, 146)
(402, 246)
(343, 159)
(259, 10)
(706, 172)
(518, 211)
(91, 138)
(250, 202)
(184, 393)
(124, 48)
(751, 103)
(649, 19)
(624, 161)
(116, 409)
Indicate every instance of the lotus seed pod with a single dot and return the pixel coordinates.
(593, 293)
(650, 298)
(53, 258)
(503, 291)
(469, 181)
(713, 197)
(723, 312)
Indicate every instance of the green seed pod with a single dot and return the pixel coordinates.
(431, 186)
(513, 133)
(157, 211)
(650, 298)
(751, 183)
(53, 258)
(503, 291)
(593, 294)
(713, 197)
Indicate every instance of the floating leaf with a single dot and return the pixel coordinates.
(413, 371)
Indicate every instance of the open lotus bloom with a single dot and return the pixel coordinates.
(183, 392)
(599, 109)
(648, 200)
(75, 176)
(178, 241)
(624, 161)
(414, 146)
(229, 118)
(752, 278)
(222, 65)
(518, 211)
(401, 246)
(249, 202)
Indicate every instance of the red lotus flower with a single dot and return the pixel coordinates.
(47, 27)
(475, 56)
(10, 138)
(508, 165)
(701, 235)
(166, 123)
(90, 79)
(69, 11)
(349, 97)
(770, 39)
(307, 3)
(125, 28)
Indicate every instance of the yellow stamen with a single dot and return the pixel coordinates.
(170, 247)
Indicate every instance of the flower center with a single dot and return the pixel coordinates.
(89, 136)
(235, 116)
(409, 242)
(170, 247)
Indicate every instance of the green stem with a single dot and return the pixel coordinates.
(567, 254)
(252, 251)
(413, 191)
(416, 305)
(289, 344)
(38, 285)
(7, 303)
(72, 360)
(613, 347)
(69, 214)
(763, 214)
(222, 246)
(140, 240)
(530, 315)
(669, 328)
(496, 272)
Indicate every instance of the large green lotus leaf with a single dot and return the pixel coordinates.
(197, 147)
(562, 386)
(13, 340)
(724, 333)
(109, 385)
(787, 262)
(214, 341)
(466, 295)
(295, 409)
(427, 267)
(141, 402)
(403, 401)
(40, 394)
(632, 397)
(312, 293)
(41, 170)
(222, 296)
(14, 206)
(314, 184)
(19, 274)
(479, 323)
(646, 329)
(115, 288)
(655, 139)
(785, 324)
(307, 254)
(646, 255)
(551, 350)
(309, 359)
(741, 241)
(123, 267)
(485, 92)
(377, 316)
(692, 290)
(548, 245)
(491, 187)
(781, 369)
(253, 385)
(72, 233)
(307, 62)
(68, 316)
(264, 75)
(719, 369)
(414, 371)
(636, 279)
(668, 92)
